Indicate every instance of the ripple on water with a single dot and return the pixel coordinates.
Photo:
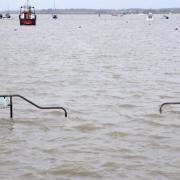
(111, 166)
(74, 170)
(87, 127)
(129, 106)
(118, 134)
(55, 113)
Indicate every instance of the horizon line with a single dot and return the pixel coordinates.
(97, 9)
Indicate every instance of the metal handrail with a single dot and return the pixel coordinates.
(30, 102)
(168, 103)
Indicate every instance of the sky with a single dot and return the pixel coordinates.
(91, 4)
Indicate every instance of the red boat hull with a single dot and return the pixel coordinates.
(28, 22)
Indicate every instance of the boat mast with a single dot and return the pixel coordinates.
(55, 7)
(27, 3)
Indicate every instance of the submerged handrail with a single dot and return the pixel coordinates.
(168, 103)
(30, 102)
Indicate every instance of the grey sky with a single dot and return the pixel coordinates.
(97, 4)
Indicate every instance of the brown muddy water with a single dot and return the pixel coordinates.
(111, 73)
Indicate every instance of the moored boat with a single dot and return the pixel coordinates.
(54, 16)
(150, 17)
(27, 15)
(7, 15)
(166, 17)
(114, 14)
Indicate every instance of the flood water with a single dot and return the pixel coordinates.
(111, 74)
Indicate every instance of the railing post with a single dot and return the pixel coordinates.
(11, 107)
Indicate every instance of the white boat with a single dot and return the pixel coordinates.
(7, 15)
(150, 17)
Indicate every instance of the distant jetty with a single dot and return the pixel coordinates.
(103, 11)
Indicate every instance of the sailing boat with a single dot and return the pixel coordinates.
(54, 16)
(7, 15)
(27, 15)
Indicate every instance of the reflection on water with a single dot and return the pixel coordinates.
(111, 76)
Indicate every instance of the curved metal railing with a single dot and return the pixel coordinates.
(168, 103)
(30, 102)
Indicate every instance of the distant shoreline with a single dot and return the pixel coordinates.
(102, 11)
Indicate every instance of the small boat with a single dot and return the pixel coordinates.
(27, 15)
(7, 15)
(122, 14)
(150, 17)
(54, 16)
(114, 14)
(166, 17)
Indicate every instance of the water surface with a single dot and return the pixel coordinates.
(111, 73)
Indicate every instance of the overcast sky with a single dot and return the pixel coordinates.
(96, 4)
